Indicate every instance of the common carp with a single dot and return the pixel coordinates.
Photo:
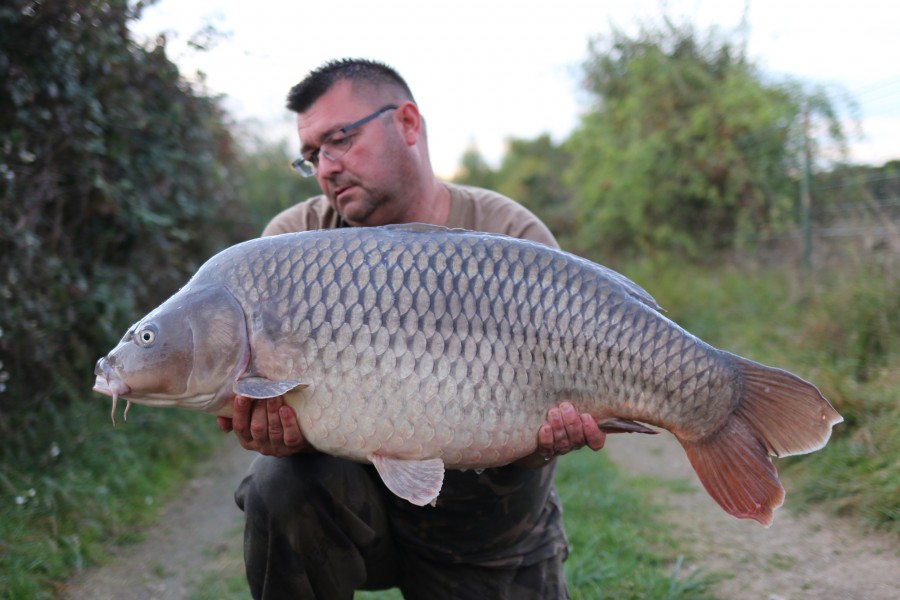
(420, 348)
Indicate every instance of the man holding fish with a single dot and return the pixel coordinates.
(320, 526)
(380, 370)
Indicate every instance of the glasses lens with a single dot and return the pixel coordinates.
(335, 148)
(304, 167)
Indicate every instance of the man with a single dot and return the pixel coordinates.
(322, 527)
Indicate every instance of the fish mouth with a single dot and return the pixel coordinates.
(114, 388)
(109, 384)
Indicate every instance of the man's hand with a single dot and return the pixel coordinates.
(267, 426)
(564, 431)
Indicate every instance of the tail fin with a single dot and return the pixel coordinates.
(778, 414)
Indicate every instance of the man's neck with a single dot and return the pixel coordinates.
(435, 210)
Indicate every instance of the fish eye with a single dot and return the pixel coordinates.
(145, 336)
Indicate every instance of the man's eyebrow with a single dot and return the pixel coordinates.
(328, 133)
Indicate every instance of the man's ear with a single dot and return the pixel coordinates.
(411, 122)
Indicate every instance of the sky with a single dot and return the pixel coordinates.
(486, 71)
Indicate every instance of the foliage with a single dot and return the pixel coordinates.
(116, 181)
(114, 185)
(66, 499)
(859, 197)
(686, 145)
(474, 170)
(840, 330)
(266, 183)
(619, 547)
(532, 173)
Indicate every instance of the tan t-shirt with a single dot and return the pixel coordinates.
(471, 208)
(503, 517)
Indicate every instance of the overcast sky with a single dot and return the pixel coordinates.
(484, 71)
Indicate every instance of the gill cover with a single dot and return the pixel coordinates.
(221, 347)
(185, 353)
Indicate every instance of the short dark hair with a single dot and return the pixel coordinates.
(319, 81)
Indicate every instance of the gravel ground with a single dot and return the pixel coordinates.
(197, 533)
(801, 557)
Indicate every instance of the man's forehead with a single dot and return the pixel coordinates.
(336, 108)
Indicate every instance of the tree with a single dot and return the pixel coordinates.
(115, 184)
(474, 169)
(687, 145)
(532, 173)
(266, 183)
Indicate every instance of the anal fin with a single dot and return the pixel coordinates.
(418, 481)
(617, 425)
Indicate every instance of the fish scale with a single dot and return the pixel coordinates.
(419, 348)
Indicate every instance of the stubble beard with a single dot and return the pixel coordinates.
(362, 205)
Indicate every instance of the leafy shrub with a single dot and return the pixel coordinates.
(114, 185)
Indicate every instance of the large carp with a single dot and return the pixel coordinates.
(420, 348)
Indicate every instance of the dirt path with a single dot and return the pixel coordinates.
(801, 557)
(197, 534)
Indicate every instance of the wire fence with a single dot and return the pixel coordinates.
(858, 215)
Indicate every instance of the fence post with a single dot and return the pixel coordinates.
(806, 196)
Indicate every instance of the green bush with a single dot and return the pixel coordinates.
(116, 182)
(838, 328)
(114, 185)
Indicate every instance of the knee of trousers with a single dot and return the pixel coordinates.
(283, 489)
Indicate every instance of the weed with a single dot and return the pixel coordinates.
(91, 487)
(839, 329)
(618, 549)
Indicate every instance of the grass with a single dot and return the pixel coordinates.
(618, 548)
(219, 587)
(839, 328)
(72, 486)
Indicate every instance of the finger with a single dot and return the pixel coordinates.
(259, 423)
(593, 435)
(573, 424)
(275, 431)
(293, 437)
(545, 440)
(224, 424)
(240, 419)
(560, 436)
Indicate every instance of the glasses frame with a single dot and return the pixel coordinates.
(307, 166)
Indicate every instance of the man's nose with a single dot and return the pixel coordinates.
(327, 166)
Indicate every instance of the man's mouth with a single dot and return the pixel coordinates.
(341, 192)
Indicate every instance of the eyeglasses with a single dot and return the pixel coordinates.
(335, 146)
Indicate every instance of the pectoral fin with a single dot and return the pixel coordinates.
(616, 425)
(418, 481)
(260, 387)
